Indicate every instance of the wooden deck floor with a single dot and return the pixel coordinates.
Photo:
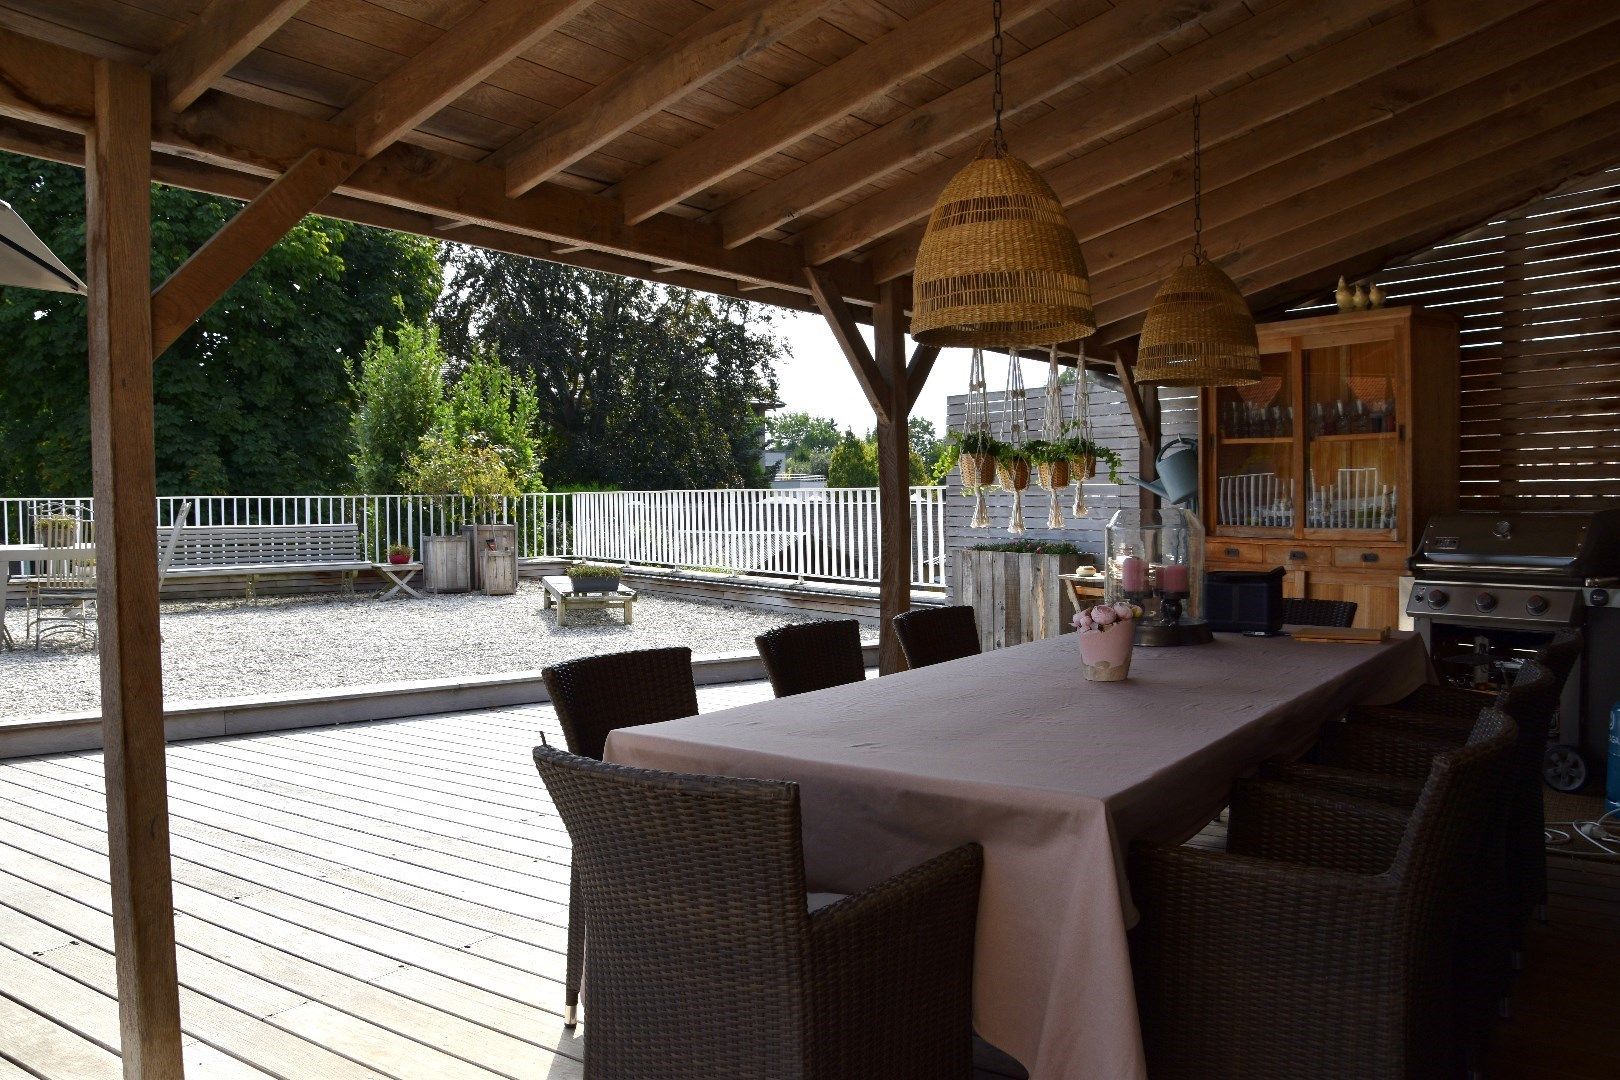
(388, 899)
(380, 899)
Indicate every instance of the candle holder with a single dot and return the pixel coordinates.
(1155, 560)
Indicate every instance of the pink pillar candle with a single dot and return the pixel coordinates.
(1132, 574)
(1173, 577)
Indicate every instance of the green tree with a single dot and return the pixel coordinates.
(926, 443)
(399, 394)
(853, 463)
(638, 385)
(255, 397)
(492, 405)
(808, 441)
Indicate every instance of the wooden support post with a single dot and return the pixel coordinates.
(894, 470)
(891, 386)
(118, 272)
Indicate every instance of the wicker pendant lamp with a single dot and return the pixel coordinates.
(1198, 331)
(998, 264)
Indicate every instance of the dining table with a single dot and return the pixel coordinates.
(1055, 777)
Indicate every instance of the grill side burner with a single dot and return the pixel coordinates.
(1491, 589)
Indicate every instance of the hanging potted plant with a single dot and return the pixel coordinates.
(1012, 471)
(1084, 454)
(977, 452)
(1051, 461)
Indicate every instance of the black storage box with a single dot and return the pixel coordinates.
(1244, 601)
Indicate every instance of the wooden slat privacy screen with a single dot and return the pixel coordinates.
(1538, 293)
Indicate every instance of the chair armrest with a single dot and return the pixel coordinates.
(1390, 790)
(1303, 826)
(1441, 711)
(892, 972)
(1377, 749)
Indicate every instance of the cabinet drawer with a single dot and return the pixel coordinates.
(1294, 556)
(1235, 551)
(1368, 558)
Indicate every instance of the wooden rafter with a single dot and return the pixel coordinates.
(242, 134)
(717, 42)
(1169, 83)
(1133, 27)
(242, 241)
(1365, 213)
(1496, 106)
(931, 38)
(225, 32)
(1297, 107)
(467, 54)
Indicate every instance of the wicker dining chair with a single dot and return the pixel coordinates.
(812, 656)
(1321, 942)
(934, 635)
(1297, 612)
(707, 961)
(595, 696)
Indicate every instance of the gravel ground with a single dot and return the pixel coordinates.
(231, 648)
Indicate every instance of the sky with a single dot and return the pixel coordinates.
(817, 378)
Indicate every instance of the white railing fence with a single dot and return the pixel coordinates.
(542, 518)
(826, 533)
(823, 533)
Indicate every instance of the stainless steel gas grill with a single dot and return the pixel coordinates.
(1490, 589)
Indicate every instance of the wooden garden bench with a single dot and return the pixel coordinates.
(255, 551)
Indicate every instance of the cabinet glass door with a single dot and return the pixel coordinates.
(1352, 433)
(1254, 450)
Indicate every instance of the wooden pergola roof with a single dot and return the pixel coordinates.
(728, 147)
(783, 150)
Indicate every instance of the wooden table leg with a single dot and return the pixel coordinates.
(628, 617)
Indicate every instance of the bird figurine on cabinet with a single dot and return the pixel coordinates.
(1375, 296)
(1358, 299)
(1342, 295)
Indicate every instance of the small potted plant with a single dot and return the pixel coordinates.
(977, 452)
(1106, 633)
(1051, 464)
(593, 578)
(1084, 454)
(1012, 467)
(400, 554)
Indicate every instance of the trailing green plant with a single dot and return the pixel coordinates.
(977, 442)
(1075, 447)
(1030, 547)
(1043, 451)
(1006, 453)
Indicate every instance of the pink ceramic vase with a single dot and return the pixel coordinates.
(1105, 652)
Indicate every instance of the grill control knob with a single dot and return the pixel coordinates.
(1485, 601)
(1437, 598)
(1599, 597)
(1536, 605)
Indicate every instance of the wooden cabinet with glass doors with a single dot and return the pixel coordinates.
(1331, 463)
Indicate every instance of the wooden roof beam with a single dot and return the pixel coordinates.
(1494, 105)
(1133, 27)
(225, 32)
(928, 39)
(465, 55)
(1300, 105)
(720, 40)
(1392, 221)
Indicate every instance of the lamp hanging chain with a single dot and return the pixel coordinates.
(1198, 182)
(997, 138)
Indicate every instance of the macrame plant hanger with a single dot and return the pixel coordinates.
(1055, 474)
(976, 432)
(1083, 470)
(1014, 470)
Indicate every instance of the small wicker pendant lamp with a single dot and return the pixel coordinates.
(998, 264)
(1198, 331)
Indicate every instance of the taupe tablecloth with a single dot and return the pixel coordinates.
(1055, 776)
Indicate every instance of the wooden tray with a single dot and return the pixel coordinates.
(1354, 635)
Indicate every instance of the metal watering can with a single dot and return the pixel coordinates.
(1177, 462)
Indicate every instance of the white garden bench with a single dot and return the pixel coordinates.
(255, 551)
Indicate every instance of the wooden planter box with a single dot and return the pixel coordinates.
(1016, 597)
